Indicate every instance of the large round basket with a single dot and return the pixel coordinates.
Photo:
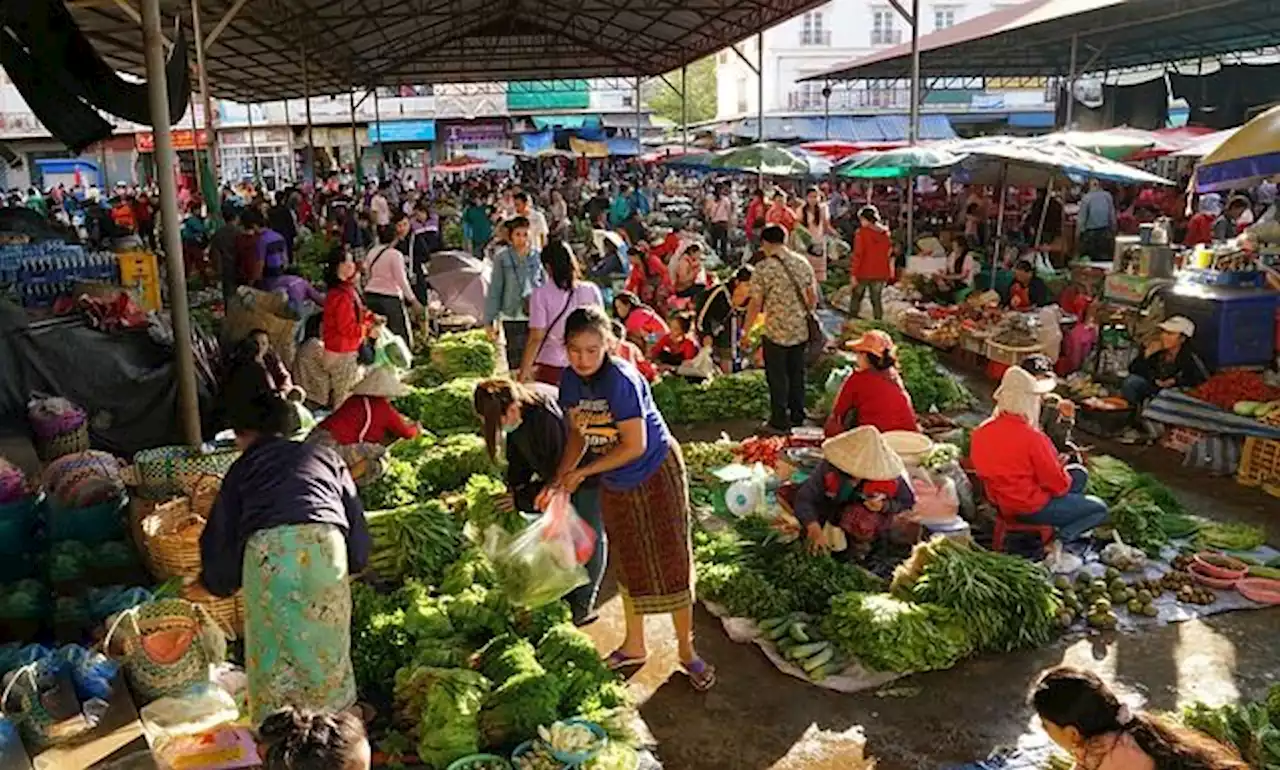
(65, 443)
(171, 539)
(173, 470)
(229, 613)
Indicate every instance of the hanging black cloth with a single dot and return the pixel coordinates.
(52, 99)
(1225, 98)
(55, 42)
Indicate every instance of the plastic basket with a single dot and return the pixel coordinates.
(62, 444)
(1259, 463)
(166, 471)
(1180, 439)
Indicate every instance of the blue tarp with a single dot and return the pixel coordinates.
(538, 141)
(879, 128)
(623, 146)
(1033, 119)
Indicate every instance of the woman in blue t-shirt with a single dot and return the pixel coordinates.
(617, 434)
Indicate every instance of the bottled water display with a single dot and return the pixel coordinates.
(41, 272)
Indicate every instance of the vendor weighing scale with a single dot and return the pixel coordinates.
(1136, 271)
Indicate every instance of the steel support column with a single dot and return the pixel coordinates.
(253, 151)
(1071, 81)
(180, 313)
(637, 100)
(206, 98)
(684, 107)
(760, 89)
(355, 140)
(377, 121)
(308, 170)
(913, 131)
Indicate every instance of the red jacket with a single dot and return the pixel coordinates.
(686, 349)
(875, 398)
(367, 419)
(872, 254)
(1018, 465)
(1199, 230)
(754, 217)
(346, 321)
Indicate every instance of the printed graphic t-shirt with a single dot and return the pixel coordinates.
(616, 393)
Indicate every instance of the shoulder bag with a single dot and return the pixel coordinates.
(817, 342)
(567, 302)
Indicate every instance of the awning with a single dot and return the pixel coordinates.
(1035, 39)
(880, 128)
(627, 121)
(588, 149)
(1032, 119)
(402, 131)
(566, 121)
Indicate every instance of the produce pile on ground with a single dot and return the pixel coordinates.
(1145, 513)
(459, 354)
(1252, 728)
(447, 408)
(426, 466)
(744, 395)
(463, 669)
(948, 600)
(1229, 389)
(930, 385)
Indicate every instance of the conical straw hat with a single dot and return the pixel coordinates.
(863, 454)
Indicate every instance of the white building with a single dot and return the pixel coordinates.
(845, 30)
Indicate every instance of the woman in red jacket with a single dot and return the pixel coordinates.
(872, 260)
(1024, 476)
(873, 394)
(346, 325)
(366, 423)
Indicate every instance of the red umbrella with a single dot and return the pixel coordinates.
(460, 164)
(837, 149)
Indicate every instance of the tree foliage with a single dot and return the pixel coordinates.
(665, 102)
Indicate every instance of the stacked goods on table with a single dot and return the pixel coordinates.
(65, 561)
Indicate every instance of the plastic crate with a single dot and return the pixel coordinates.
(1259, 463)
(1008, 355)
(1180, 439)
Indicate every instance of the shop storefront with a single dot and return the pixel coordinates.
(236, 150)
(475, 138)
(185, 143)
(405, 146)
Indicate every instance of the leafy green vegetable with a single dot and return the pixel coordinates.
(703, 458)
(731, 397)
(472, 568)
(513, 712)
(464, 354)
(888, 634)
(380, 645)
(1004, 602)
(450, 712)
(397, 486)
(412, 449)
(744, 592)
(1110, 477)
(1137, 520)
(479, 613)
(481, 495)
(443, 409)
(1249, 728)
(452, 462)
(414, 541)
(1232, 536)
(507, 656)
(534, 623)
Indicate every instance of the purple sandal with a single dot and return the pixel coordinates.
(702, 675)
(619, 660)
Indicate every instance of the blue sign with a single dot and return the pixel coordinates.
(403, 131)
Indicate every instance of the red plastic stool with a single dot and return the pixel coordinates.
(1005, 526)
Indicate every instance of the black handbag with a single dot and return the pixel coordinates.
(816, 345)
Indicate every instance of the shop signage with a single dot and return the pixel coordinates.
(477, 132)
(403, 131)
(184, 140)
(261, 136)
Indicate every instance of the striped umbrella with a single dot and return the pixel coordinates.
(1251, 155)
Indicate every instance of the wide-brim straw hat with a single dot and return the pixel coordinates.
(863, 454)
(381, 381)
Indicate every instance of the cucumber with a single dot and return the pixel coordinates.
(1270, 573)
(768, 625)
(777, 633)
(818, 661)
(785, 646)
(799, 632)
(806, 651)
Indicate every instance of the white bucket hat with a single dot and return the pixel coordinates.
(863, 454)
(1179, 324)
(381, 381)
(1020, 392)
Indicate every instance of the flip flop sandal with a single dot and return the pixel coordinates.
(619, 660)
(702, 675)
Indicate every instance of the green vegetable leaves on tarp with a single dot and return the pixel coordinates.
(888, 634)
(464, 354)
(744, 395)
(414, 541)
(446, 408)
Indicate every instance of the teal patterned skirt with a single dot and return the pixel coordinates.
(297, 620)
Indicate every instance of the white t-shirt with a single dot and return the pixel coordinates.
(381, 210)
(538, 230)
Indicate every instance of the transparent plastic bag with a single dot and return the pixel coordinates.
(544, 561)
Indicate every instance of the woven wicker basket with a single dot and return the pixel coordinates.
(171, 539)
(229, 613)
(171, 470)
(69, 442)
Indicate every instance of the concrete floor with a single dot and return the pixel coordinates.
(757, 717)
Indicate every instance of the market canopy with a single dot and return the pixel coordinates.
(1035, 39)
(258, 52)
(1249, 156)
(1021, 161)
